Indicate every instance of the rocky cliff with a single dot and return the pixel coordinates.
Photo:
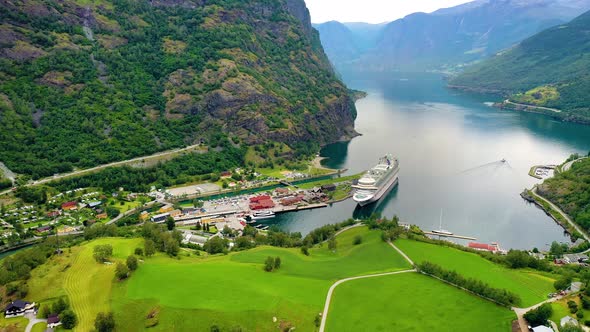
(84, 83)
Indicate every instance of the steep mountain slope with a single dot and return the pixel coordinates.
(550, 69)
(463, 34)
(88, 82)
(344, 43)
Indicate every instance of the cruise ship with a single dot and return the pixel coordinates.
(377, 181)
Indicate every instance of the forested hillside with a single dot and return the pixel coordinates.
(571, 191)
(89, 82)
(550, 69)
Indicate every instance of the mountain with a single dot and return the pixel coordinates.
(455, 36)
(550, 69)
(346, 42)
(89, 82)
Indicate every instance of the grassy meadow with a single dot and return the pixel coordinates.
(412, 302)
(234, 290)
(531, 286)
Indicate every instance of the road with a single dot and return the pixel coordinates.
(565, 216)
(524, 327)
(566, 167)
(126, 213)
(117, 163)
(32, 317)
(507, 101)
(341, 281)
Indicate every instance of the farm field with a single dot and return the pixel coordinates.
(234, 290)
(414, 303)
(76, 274)
(531, 286)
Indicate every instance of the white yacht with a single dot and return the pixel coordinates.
(377, 181)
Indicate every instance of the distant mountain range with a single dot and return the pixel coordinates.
(550, 69)
(446, 38)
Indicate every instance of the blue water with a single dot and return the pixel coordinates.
(449, 144)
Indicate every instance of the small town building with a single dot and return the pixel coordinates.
(53, 214)
(69, 206)
(542, 328)
(159, 218)
(287, 201)
(144, 215)
(483, 247)
(282, 192)
(575, 258)
(175, 213)
(94, 204)
(262, 204)
(102, 216)
(43, 229)
(53, 321)
(328, 187)
(18, 308)
(568, 320)
(166, 208)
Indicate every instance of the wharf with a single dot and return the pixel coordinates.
(281, 209)
(455, 236)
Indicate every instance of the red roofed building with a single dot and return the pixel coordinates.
(262, 204)
(483, 246)
(259, 198)
(69, 206)
(53, 214)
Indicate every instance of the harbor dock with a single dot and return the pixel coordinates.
(455, 236)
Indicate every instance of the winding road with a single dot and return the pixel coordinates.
(507, 101)
(341, 281)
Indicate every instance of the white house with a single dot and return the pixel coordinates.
(18, 308)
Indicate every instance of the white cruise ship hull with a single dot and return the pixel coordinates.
(382, 191)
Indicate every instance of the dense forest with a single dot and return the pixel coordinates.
(86, 83)
(556, 60)
(571, 192)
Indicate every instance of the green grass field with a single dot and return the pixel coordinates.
(12, 324)
(195, 293)
(39, 327)
(76, 274)
(531, 286)
(411, 302)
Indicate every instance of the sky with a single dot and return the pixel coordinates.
(372, 11)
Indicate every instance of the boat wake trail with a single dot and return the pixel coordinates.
(496, 163)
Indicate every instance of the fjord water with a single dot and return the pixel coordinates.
(449, 144)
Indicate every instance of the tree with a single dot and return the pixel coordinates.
(103, 252)
(269, 264)
(138, 251)
(570, 327)
(332, 244)
(59, 306)
(357, 240)
(562, 283)
(44, 311)
(277, 263)
(557, 249)
(172, 247)
(540, 315)
(215, 245)
(104, 322)
(305, 250)
(170, 223)
(121, 271)
(132, 263)
(112, 212)
(215, 328)
(68, 319)
(149, 247)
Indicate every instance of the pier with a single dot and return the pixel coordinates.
(455, 236)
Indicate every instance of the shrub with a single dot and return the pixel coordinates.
(68, 319)
(540, 315)
(269, 264)
(138, 251)
(277, 263)
(104, 322)
(580, 314)
(132, 263)
(357, 240)
(103, 252)
(305, 250)
(121, 271)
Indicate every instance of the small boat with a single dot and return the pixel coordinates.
(440, 230)
(258, 215)
(503, 160)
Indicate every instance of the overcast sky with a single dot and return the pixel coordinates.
(372, 11)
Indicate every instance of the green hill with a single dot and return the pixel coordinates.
(88, 82)
(550, 69)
